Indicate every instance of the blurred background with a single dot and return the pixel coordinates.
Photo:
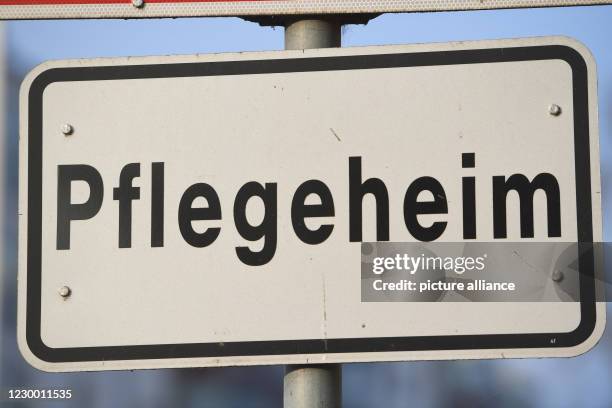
(584, 381)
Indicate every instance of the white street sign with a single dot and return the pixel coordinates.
(33, 9)
(208, 210)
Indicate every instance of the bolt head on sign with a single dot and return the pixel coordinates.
(221, 223)
(33, 9)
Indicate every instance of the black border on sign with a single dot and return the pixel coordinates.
(311, 346)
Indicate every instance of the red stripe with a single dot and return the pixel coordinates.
(60, 2)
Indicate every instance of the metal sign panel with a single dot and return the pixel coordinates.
(33, 9)
(201, 210)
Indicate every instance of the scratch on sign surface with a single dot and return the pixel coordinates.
(324, 312)
(335, 134)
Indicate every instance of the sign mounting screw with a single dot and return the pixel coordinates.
(65, 291)
(554, 109)
(557, 276)
(67, 129)
(138, 3)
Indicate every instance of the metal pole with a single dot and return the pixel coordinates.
(312, 386)
(312, 33)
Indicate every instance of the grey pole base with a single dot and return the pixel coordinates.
(313, 386)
